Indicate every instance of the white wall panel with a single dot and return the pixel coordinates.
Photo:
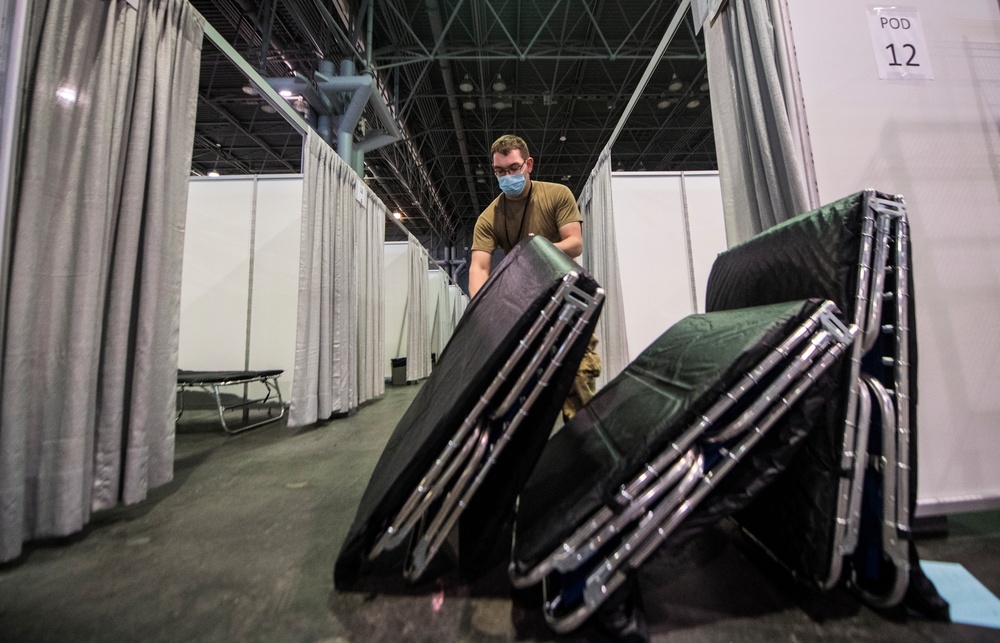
(396, 271)
(215, 275)
(664, 251)
(276, 276)
(707, 226)
(936, 143)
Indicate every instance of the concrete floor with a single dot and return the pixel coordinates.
(240, 547)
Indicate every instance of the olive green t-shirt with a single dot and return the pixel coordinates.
(506, 221)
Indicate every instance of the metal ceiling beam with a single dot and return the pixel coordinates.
(515, 57)
(675, 23)
(434, 14)
(232, 121)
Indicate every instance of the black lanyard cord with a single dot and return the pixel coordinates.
(524, 217)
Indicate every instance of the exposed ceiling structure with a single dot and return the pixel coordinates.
(456, 74)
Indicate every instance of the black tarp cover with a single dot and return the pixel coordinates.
(489, 331)
(649, 405)
(813, 255)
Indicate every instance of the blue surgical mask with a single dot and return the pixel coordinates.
(512, 184)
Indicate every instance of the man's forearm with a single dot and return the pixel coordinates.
(477, 277)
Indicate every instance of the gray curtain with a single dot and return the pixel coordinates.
(94, 263)
(760, 155)
(13, 21)
(371, 297)
(418, 332)
(326, 346)
(600, 257)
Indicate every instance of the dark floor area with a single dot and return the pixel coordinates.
(240, 547)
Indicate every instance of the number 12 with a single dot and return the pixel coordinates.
(909, 62)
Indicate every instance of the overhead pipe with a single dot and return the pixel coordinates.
(394, 131)
(322, 98)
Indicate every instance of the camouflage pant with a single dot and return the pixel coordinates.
(584, 385)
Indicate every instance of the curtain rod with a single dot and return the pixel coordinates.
(263, 88)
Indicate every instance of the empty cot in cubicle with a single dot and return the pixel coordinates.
(462, 450)
(689, 432)
(215, 383)
(843, 509)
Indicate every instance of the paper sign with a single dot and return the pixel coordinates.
(898, 40)
(971, 602)
(359, 191)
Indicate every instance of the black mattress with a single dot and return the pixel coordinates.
(647, 407)
(196, 378)
(487, 334)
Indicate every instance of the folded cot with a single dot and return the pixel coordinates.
(843, 510)
(689, 432)
(462, 450)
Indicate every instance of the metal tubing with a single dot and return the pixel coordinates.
(660, 524)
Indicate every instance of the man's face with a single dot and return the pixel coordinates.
(512, 163)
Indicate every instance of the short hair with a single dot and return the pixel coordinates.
(507, 144)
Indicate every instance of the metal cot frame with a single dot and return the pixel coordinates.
(668, 488)
(433, 508)
(212, 381)
(884, 251)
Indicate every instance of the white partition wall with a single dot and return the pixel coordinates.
(214, 302)
(396, 271)
(669, 228)
(276, 275)
(232, 319)
(935, 141)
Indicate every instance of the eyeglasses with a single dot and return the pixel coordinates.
(514, 169)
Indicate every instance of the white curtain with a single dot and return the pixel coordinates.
(600, 257)
(762, 153)
(371, 297)
(326, 344)
(454, 295)
(444, 323)
(418, 332)
(94, 263)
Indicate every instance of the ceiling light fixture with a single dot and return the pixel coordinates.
(213, 173)
(249, 90)
(468, 103)
(498, 84)
(267, 108)
(664, 103)
(704, 86)
(397, 215)
(466, 84)
(287, 93)
(675, 84)
(693, 103)
(499, 104)
(563, 138)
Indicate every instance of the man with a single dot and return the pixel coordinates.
(524, 207)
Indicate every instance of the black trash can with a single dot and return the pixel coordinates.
(398, 371)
